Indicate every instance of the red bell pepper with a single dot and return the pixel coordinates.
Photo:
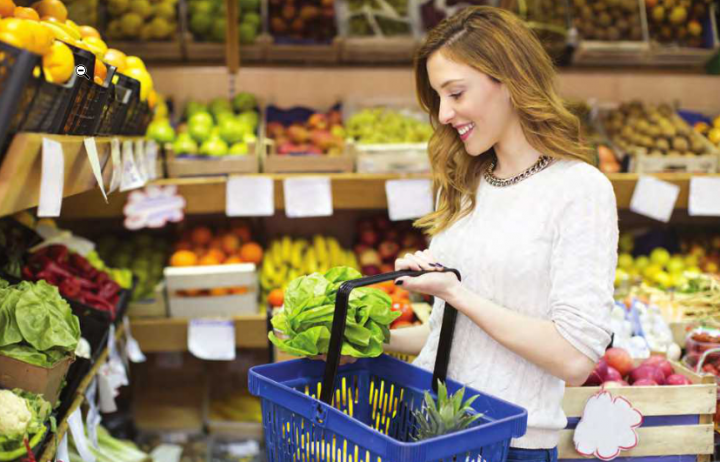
(70, 288)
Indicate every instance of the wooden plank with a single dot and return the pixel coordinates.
(170, 334)
(21, 170)
(650, 401)
(655, 441)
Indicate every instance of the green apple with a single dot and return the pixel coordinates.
(238, 149)
(223, 116)
(200, 131)
(194, 107)
(201, 118)
(217, 31)
(244, 102)
(200, 24)
(219, 105)
(232, 130)
(161, 131)
(185, 144)
(249, 138)
(249, 5)
(250, 117)
(214, 147)
(247, 33)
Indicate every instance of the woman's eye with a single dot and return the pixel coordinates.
(456, 95)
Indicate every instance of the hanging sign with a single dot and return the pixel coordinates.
(153, 207)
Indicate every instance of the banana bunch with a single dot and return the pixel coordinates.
(288, 259)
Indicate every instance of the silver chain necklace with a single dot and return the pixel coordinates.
(540, 165)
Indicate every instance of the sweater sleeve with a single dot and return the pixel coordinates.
(583, 262)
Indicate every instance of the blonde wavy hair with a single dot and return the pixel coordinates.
(498, 44)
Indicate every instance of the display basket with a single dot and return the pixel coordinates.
(86, 107)
(364, 411)
(115, 112)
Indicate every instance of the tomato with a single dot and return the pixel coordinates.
(406, 312)
(400, 324)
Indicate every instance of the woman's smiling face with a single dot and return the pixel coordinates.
(476, 106)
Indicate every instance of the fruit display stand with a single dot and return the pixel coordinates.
(236, 285)
(197, 51)
(678, 420)
(188, 166)
(378, 49)
(153, 51)
(272, 162)
(20, 172)
(305, 53)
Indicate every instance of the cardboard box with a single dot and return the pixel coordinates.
(36, 379)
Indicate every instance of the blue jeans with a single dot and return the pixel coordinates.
(532, 455)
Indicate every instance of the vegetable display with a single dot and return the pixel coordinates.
(36, 325)
(22, 418)
(76, 278)
(305, 321)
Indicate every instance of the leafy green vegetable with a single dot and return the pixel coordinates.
(37, 325)
(306, 318)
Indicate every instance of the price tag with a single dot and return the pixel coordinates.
(62, 454)
(131, 177)
(153, 207)
(52, 179)
(249, 196)
(116, 178)
(141, 161)
(132, 346)
(408, 199)
(93, 418)
(308, 197)
(212, 339)
(91, 150)
(107, 393)
(704, 197)
(654, 198)
(151, 156)
(78, 434)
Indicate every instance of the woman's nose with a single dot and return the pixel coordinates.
(445, 114)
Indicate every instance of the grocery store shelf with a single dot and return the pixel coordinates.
(21, 169)
(170, 334)
(49, 454)
(206, 195)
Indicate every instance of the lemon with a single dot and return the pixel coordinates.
(142, 76)
(676, 265)
(660, 256)
(627, 242)
(662, 279)
(142, 8)
(58, 63)
(625, 261)
(714, 135)
(118, 7)
(162, 28)
(641, 262)
(96, 45)
(165, 10)
(691, 260)
(651, 271)
(135, 62)
(131, 24)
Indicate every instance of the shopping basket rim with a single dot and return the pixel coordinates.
(520, 414)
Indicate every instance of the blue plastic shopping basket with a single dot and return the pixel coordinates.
(364, 412)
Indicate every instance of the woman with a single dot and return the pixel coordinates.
(530, 224)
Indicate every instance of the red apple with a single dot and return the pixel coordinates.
(612, 375)
(645, 383)
(677, 379)
(298, 133)
(662, 363)
(369, 270)
(647, 372)
(360, 248)
(369, 237)
(593, 379)
(391, 235)
(388, 250)
(319, 121)
(286, 148)
(620, 360)
(275, 129)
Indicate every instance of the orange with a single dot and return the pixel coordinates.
(215, 243)
(89, 31)
(276, 297)
(98, 80)
(209, 260)
(219, 291)
(116, 58)
(251, 252)
(233, 260)
(20, 28)
(230, 243)
(243, 232)
(58, 63)
(201, 235)
(239, 290)
(183, 258)
(100, 71)
(26, 13)
(7, 8)
(42, 38)
(189, 292)
(152, 99)
(12, 38)
(216, 254)
(52, 8)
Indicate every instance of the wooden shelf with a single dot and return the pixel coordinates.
(206, 195)
(170, 334)
(21, 169)
(49, 454)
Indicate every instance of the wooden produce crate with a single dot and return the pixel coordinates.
(183, 282)
(677, 425)
(272, 162)
(674, 55)
(203, 165)
(214, 52)
(151, 51)
(391, 158)
(150, 308)
(644, 163)
(305, 54)
(378, 49)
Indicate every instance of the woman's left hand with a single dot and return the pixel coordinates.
(437, 283)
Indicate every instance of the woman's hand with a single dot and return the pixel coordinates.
(438, 284)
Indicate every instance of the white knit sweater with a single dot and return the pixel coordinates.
(547, 248)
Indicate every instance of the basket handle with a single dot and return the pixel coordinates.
(340, 317)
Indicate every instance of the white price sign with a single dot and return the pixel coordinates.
(308, 197)
(654, 198)
(52, 179)
(250, 196)
(408, 199)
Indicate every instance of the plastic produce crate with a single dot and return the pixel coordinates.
(116, 110)
(28, 102)
(368, 414)
(84, 111)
